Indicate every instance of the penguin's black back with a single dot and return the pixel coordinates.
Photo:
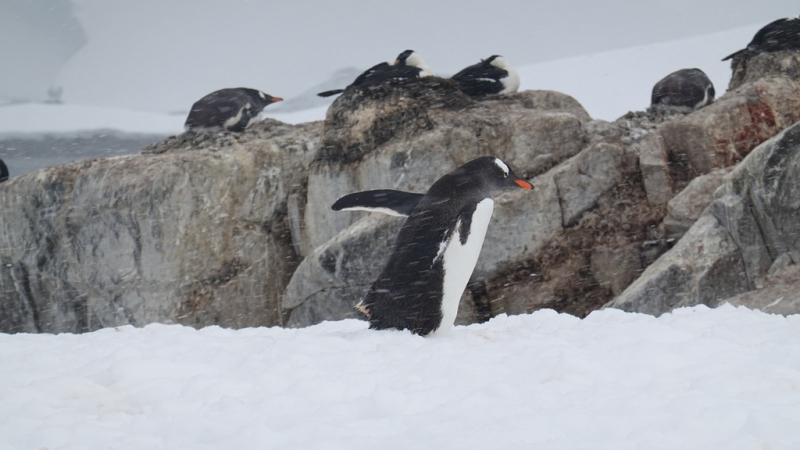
(410, 288)
(781, 34)
(685, 87)
(408, 293)
(481, 78)
(378, 74)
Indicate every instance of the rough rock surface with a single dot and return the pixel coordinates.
(718, 135)
(196, 237)
(751, 226)
(779, 295)
(749, 67)
(688, 205)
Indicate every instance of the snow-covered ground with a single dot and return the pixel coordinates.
(727, 378)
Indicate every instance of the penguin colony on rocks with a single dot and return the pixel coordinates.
(688, 89)
(438, 246)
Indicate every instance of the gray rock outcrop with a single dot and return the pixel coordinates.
(780, 293)
(750, 67)
(198, 237)
(716, 136)
(751, 225)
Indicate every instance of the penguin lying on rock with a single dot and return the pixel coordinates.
(436, 250)
(685, 88)
(493, 75)
(3, 171)
(233, 109)
(407, 65)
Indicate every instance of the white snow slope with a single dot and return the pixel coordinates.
(697, 378)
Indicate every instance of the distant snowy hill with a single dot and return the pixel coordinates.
(695, 378)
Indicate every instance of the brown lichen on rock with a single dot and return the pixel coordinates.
(563, 277)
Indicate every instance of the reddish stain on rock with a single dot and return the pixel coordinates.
(761, 127)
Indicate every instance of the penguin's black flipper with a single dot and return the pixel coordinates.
(734, 54)
(387, 201)
(3, 171)
(330, 93)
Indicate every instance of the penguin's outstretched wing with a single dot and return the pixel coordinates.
(387, 201)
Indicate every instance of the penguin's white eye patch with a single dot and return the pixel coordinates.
(502, 167)
(261, 94)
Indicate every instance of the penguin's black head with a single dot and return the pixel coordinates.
(263, 99)
(488, 173)
(402, 57)
(412, 58)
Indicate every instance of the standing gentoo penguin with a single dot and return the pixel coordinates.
(782, 34)
(408, 65)
(493, 75)
(3, 171)
(687, 88)
(233, 109)
(437, 247)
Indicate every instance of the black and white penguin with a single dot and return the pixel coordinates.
(3, 171)
(437, 247)
(407, 65)
(233, 109)
(782, 34)
(685, 88)
(493, 75)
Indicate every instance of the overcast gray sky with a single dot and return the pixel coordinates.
(161, 55)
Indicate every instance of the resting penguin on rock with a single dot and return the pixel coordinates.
(3, 171)
(232, 109)
(782, 34)
(686, 88)
(436, 250)
(407, 65)
(493, 75)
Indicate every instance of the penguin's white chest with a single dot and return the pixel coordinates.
(459, 261)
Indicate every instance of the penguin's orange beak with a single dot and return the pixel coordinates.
(397, 62)
(276, 99)
(524, 184)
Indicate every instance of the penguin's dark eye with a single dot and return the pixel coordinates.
(505, 174)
